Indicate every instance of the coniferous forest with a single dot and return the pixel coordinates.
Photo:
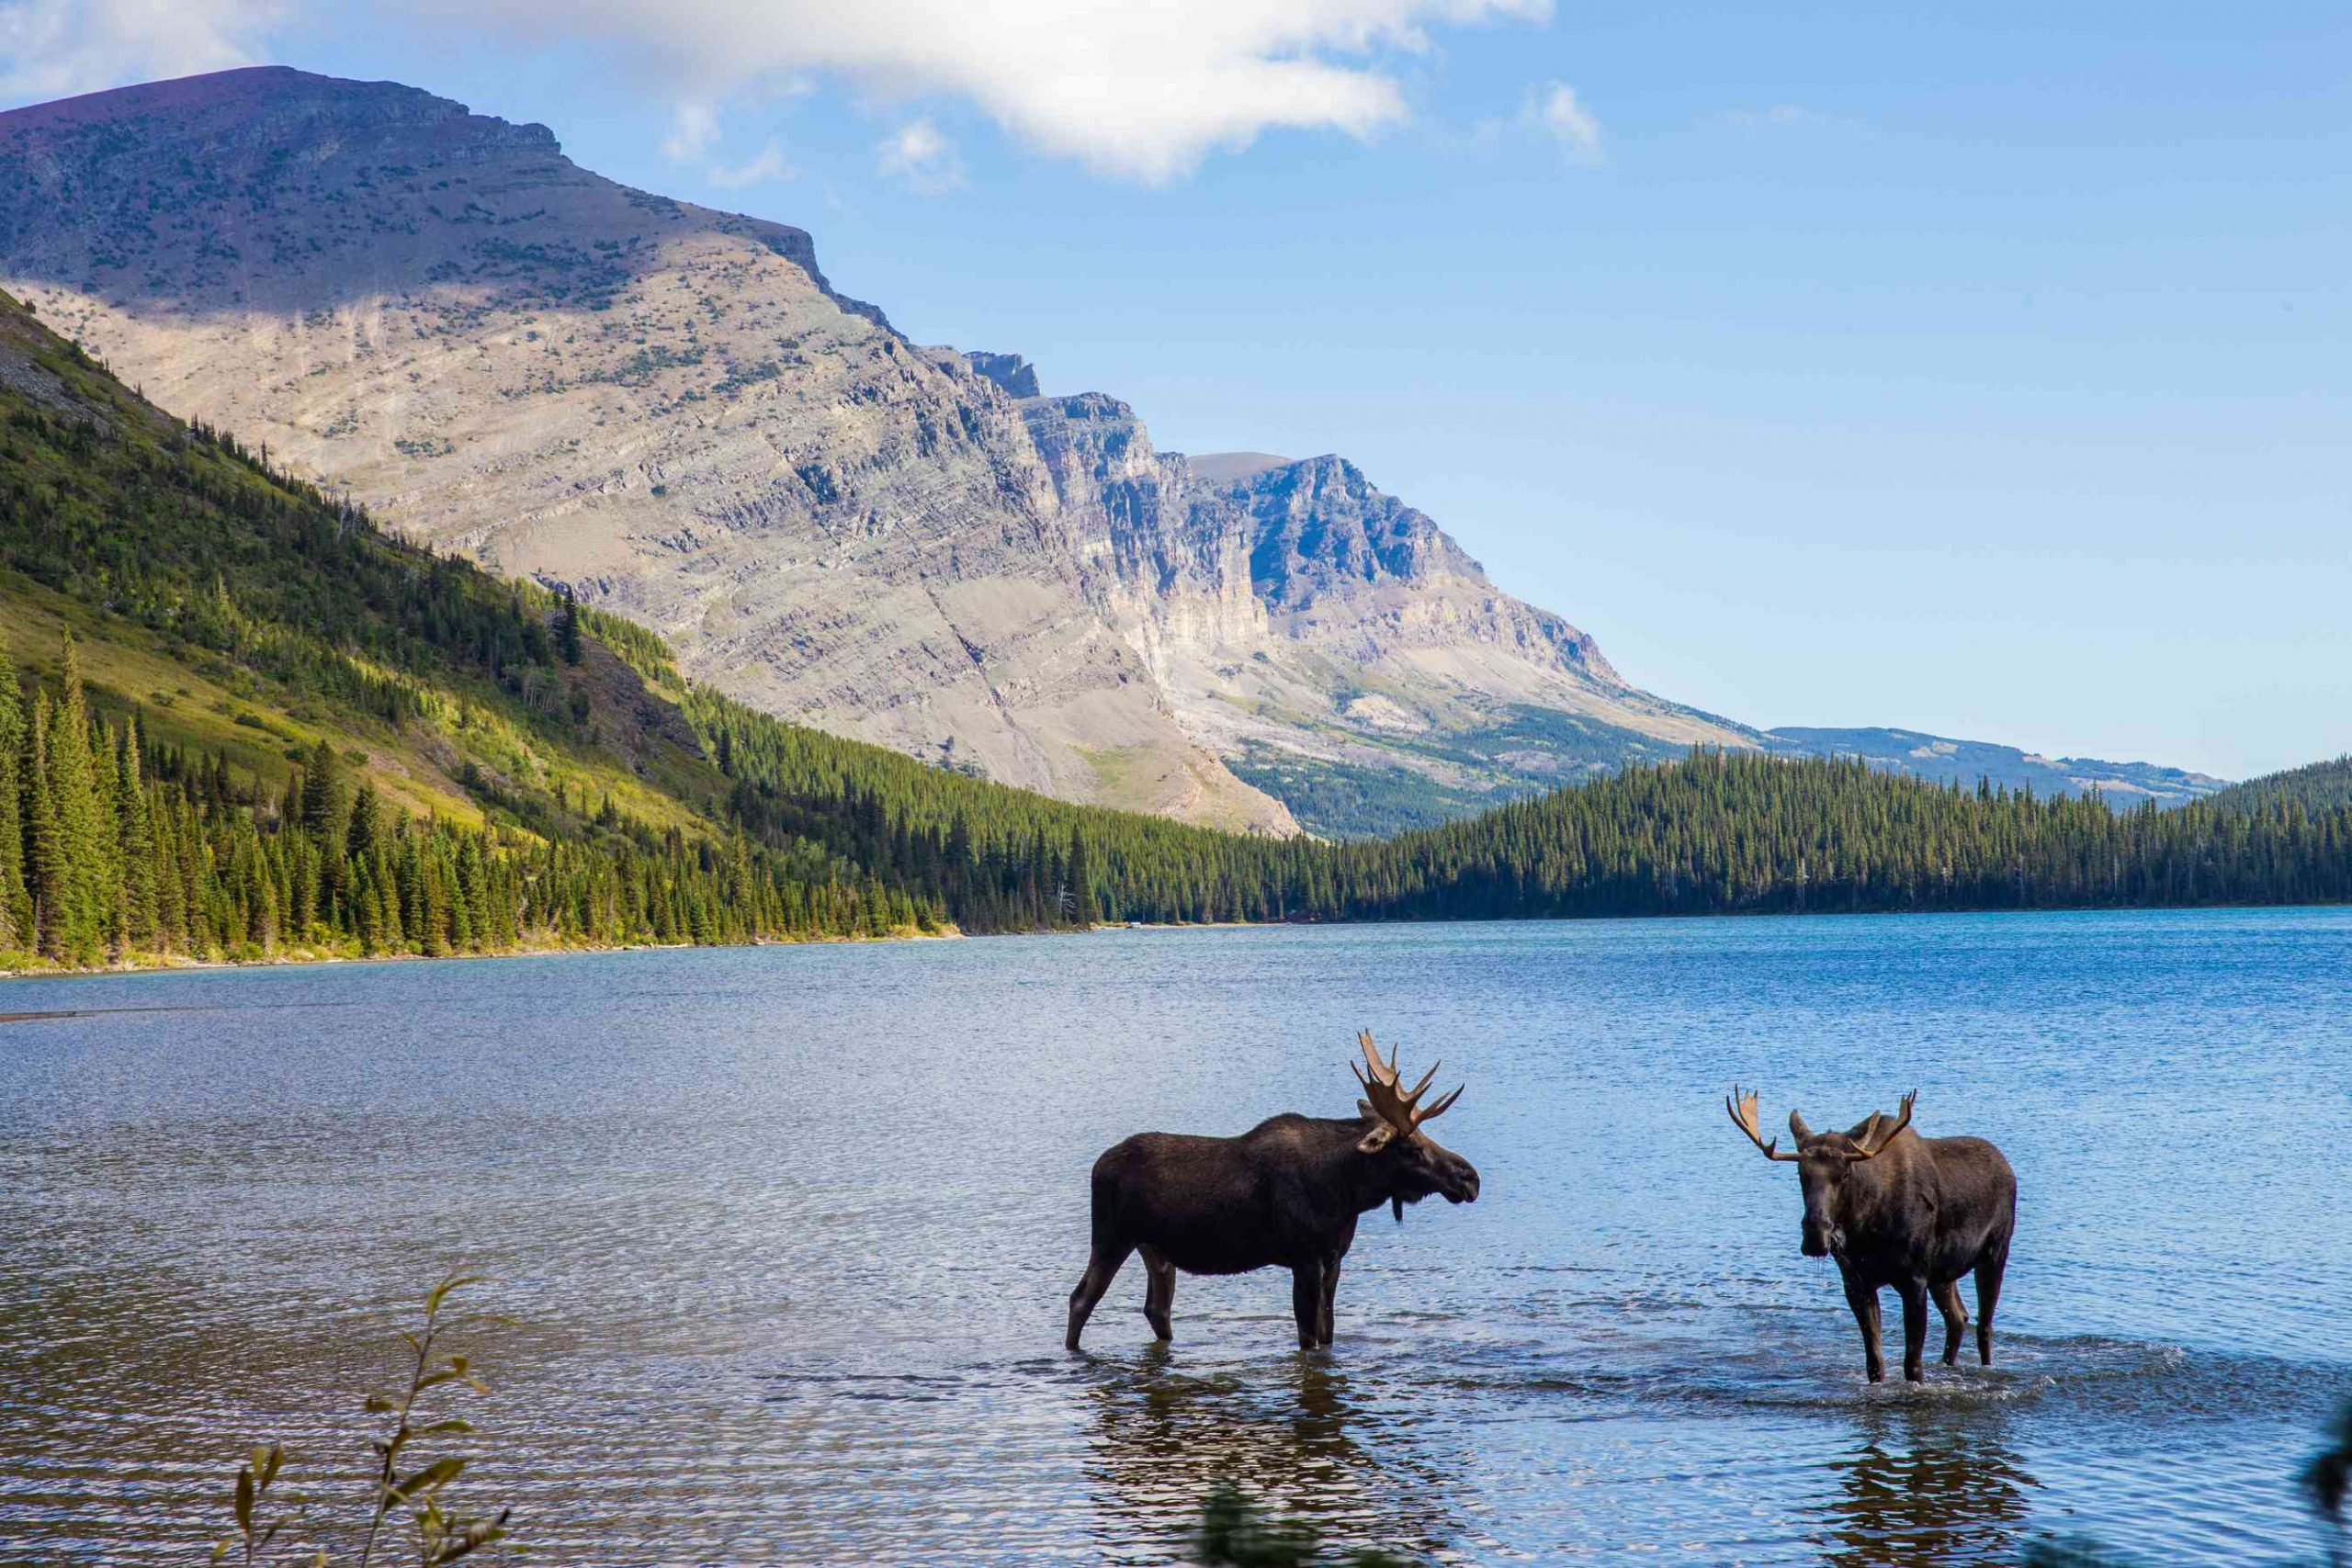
(254, 724)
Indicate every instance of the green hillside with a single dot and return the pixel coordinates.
(1745, 834)
(2315, 787)
(256, 725)
(255, 667)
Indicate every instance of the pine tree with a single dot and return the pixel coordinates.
(135, 846)
(567, 625)
(1084, 911)
(84, 874)
(44, 849)
(359, 832)
(15, 903)
(322, 794)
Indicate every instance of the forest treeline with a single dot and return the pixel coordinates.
(110, 853)
(1717, 833)
(619, 803)
(2315, 787)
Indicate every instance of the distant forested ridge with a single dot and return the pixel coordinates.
(2315, 787)
(1743, 834)
(250, 723)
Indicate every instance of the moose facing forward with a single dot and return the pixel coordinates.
(1895, 1209)
(1287, 1192)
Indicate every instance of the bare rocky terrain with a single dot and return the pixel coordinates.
(672, 410)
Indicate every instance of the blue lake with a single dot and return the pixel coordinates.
(787, 1235)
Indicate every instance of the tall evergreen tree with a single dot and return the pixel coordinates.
(16, 902)
(44, 847)
(135, 850)
(1085, 911)
(567, 625)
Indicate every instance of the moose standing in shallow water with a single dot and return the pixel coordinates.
(1895, 1209)
(1286, 1192)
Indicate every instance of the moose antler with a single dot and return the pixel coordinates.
(1742, 1106)
(1397, 1107)
(1875, 1142)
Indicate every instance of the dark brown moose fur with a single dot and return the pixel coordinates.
(1895, 1209)
(1285, 1193)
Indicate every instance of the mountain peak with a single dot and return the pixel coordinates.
(1014, 375)
(567, 378)
(268, 187)
(279, 98)
(1221, 469)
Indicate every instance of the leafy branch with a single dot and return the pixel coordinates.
(441, 1533)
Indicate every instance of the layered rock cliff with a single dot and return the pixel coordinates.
(667, 407)
(1331, 642)
(672, 410)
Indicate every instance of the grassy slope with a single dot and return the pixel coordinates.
(630, 746)
(147, 529)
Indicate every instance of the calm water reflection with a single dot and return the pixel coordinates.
(1927, 1491)
(788, 1233)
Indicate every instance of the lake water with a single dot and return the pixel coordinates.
(788, 1231)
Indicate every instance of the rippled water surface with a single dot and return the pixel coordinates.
(788, 1232)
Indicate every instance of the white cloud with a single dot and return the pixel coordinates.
(1140, 89)
(1554, 112)
(769, 165)
(694, 129)
(919, 155)
(54, 48)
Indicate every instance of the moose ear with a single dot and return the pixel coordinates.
(1376, 1140)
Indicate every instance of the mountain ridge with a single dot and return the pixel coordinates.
(670, 411)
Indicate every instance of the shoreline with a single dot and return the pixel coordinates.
(300, 960)
(176, 966)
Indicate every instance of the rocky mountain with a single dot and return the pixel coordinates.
(670, 410)
(1945, 760)
(669, 407)
(1332, 644)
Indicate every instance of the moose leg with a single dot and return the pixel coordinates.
(1101, 1267)
(1307, 1302)
(1863, 1299)
(1330, 1299)
(1955, 1319)
(1159, 1294)
(1914, 1329)
(1989, 1270)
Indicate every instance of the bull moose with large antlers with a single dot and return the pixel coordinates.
(1896, 1209)
(1287, 1192)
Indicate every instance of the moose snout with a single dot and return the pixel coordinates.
(1464, 1189)
(1820, 1240)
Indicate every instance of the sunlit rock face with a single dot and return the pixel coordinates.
(672, 410)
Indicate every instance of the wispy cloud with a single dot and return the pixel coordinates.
(694, 130)
(52, 48)
(919, 156)
(1553, 110)
(1133, 90)
(1550, 112)
(769, 165)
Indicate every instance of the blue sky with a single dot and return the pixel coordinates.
(1981, 370)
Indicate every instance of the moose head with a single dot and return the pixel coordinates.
(1413, 1164)
(1823, 1162)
